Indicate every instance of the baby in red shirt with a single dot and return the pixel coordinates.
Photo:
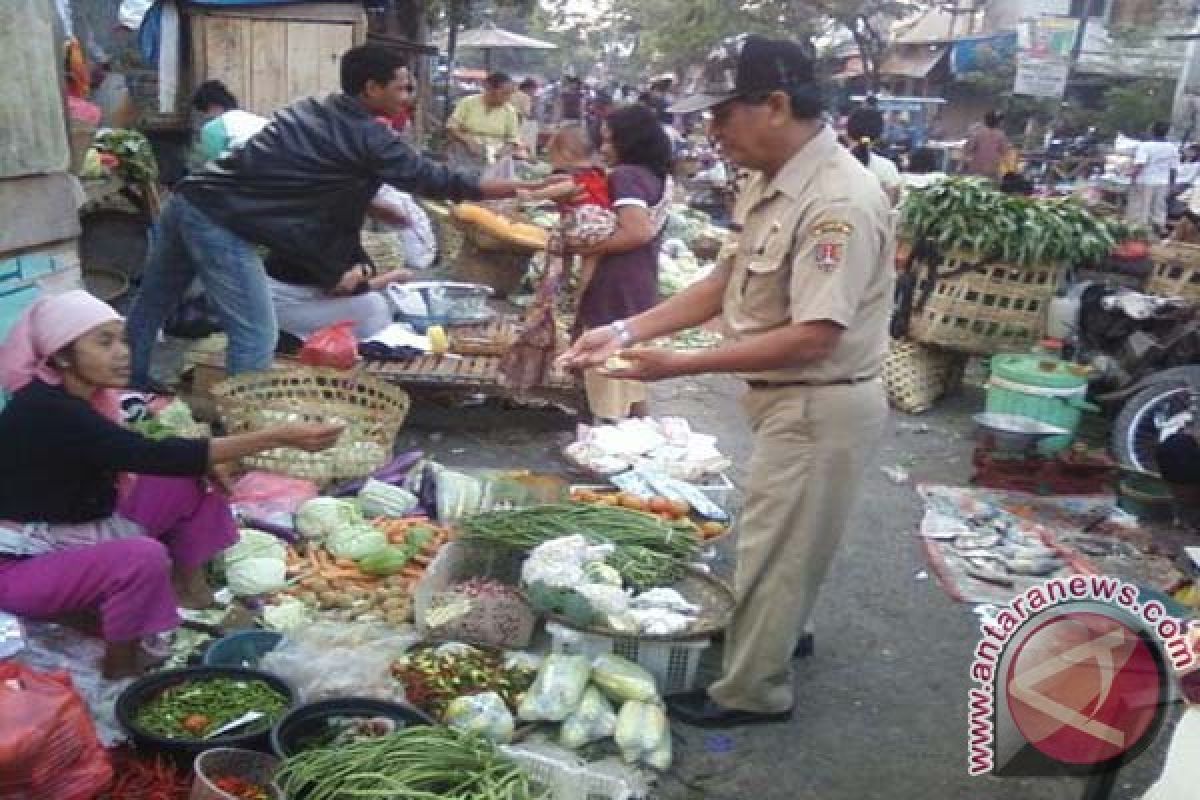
(584, 201)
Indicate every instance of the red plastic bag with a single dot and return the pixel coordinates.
(264, 494)
(48, 744)
(332, 346)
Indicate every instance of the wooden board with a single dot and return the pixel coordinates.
(33, 131)
(270, 57)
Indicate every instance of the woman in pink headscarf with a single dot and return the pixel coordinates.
(70, 541)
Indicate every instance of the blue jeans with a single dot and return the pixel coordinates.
(189, 244)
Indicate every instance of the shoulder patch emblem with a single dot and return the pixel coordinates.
(830, 249)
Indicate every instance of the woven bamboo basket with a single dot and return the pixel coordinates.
(1176, 271)
(372, 411)
(712, 595)
(916, 375)
(996, 308)
(384, 249)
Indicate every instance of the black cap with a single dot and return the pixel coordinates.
(746, 65)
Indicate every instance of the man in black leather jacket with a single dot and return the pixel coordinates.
(300, 187)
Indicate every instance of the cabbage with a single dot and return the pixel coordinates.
(355, 541)
(177, 416)
(321, 516)
(288, 615)
(255, 544)
(251, 576)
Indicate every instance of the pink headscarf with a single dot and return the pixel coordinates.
(46, 327)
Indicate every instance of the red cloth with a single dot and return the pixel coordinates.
(594, 182)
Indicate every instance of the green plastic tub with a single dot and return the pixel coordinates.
(1041, 387)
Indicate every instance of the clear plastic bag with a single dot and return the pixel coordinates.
(643, 734)
(558, 689)
(485, 714)
(623, 680)
(329, 660)
(593, 720)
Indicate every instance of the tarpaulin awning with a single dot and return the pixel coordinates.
(912, 62)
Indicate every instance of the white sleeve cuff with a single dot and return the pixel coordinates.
(631, 201)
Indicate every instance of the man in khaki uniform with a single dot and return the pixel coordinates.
(806, 297)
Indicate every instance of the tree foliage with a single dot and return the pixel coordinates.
(867, 21)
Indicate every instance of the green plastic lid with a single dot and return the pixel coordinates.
(1041, 371)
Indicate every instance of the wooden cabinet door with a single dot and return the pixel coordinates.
(269, 63)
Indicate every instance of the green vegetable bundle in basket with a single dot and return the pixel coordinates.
(986, 264)
(372, 411)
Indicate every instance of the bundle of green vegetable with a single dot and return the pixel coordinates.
(133, 150)
(973, 216)
(419, 762)
(193, 709)
(649, 550)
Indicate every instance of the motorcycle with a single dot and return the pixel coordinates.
(1145, 355)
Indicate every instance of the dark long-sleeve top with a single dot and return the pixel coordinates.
(301, 186)
(59, 457)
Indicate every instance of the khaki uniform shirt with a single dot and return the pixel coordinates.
(816, 244)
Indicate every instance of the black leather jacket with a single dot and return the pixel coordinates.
(302, 185)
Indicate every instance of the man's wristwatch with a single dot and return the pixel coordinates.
(623, 334)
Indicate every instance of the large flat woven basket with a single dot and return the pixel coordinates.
(712, 595)
(996, 308)
(372, 411)
(917, 375)
(1176, 271)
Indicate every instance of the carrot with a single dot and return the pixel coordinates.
(341, 572)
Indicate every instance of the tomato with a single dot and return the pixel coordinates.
(712, 529)
(679, 508)
(196, 724)
(659, 505)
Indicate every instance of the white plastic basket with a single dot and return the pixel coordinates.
(674, 665)
(562, 775)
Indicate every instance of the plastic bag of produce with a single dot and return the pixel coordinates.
(593, 720)
(328, 659)
(332, 346)
(485, 714)
(622, 679)
(643, 734)
(558, 689)
(48, 744)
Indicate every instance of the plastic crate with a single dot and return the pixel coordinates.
(559, 774)
(674, 665)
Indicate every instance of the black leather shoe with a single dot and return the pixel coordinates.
(698, 709)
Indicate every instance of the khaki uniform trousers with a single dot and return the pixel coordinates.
(811, 446)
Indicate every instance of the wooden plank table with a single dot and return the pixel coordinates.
(467, 374)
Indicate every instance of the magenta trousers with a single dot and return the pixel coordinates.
(128, 581)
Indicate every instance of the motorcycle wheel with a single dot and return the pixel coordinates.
(1135, 432)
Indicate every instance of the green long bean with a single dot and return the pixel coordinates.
(648, 550)
(214, 700)
(419, 763)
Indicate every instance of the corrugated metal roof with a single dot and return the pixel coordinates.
(912, 62)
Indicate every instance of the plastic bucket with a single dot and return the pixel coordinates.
(241, 649)
(1042, 388)
(232, 762)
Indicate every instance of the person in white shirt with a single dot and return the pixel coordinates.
(884, 169)
(1155, 163)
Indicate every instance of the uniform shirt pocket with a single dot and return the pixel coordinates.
(765, 282)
